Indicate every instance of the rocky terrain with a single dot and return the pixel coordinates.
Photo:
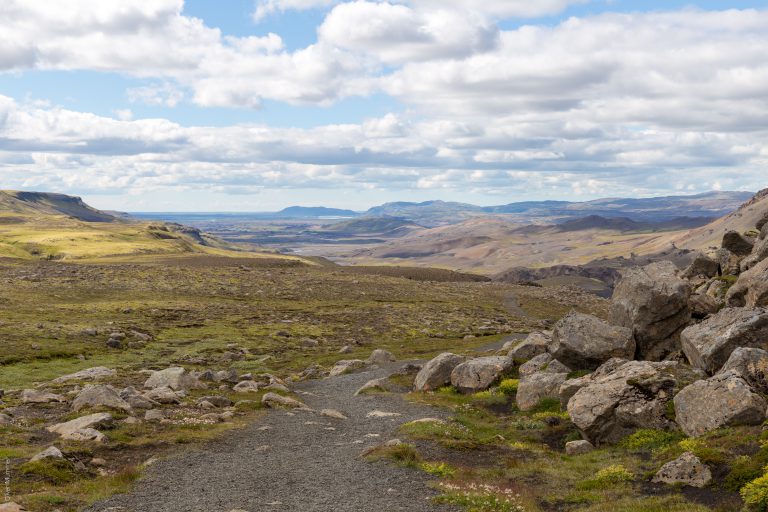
(188, 384)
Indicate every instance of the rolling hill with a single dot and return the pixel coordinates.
(38, 225)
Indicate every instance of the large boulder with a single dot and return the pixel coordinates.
(703, 305)
(34, 396)
(627, 396)
(759, 253)
(709, 344)
(585, 342)
(176, 378)
(534, 344)
(751, 290)
(99, 396)
(653, 302)
(720, 401)
(751, 364)
(685, 470)
(702, 266)
(437, 372)
(737, 244)
(479, 374)
(534, 388)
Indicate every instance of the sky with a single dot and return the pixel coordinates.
(255, 105)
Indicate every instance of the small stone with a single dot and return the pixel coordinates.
(154, 415)
(382, 414)
(275, 400)
(247, 386)
(578, 447)
(346, 349)
(686, 469)
(380, 356)
(98, 462)
(346, 366)
(333, 413)
(49, 453)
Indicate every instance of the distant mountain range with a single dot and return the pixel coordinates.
(436, 213)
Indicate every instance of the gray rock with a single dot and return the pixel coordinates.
(247, 386)
(570, 387)
(534, 388)
(437, 372)
(216, 400)
(764, 232)
(751, 290)
(535, 344)
(479, 374)
(11, 507)
(164, 395)
(346, 366)
(49, 453)
(275, 400)
(573, 448)
(380, 356)
(69, 429)
(176, 378)
(702, 266)
(346, 349)
(653, 302)
(703, 306)
(737, 244)
(759, 253)
(33, 396)
(99, 396)
(709, 344)
(542, 363)
(686, 470)
(333, 413)
(381, 385)
(723, 400)
(751, 364)
(154, 415)
(5, 420)
(631, 396)
(585, 342)
(96, 373)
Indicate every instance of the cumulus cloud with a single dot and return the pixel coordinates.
(266, 7)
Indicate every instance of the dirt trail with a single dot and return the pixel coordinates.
(294, 461)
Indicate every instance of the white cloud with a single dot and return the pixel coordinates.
(165, 94)
(503, 8)
(266, 7)
(395, 34)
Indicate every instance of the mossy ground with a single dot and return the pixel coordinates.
(520, 456)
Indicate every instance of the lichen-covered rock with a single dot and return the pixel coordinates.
(653, 302)
(33, 396)
(479, 374)
(49, 453)
(624, 398)
(709, 344)
(751, 364)
(176, 378)
(737, 244)
(534, 344)
(751, 290)
(534, 388)
(686, 470)
(585, 342)
(702, 266)
(83, 428)
(437, 372)
(99, 396)
(542, 363)
(723, 400)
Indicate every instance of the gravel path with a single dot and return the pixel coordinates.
(294, 461)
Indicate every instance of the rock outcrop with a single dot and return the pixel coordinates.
(709, 344)
(625, 397)
(534, 388)
(751, 290)
(653, 302)
(534, 344)
(685, 470)
(585, 342)
(720, 401)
